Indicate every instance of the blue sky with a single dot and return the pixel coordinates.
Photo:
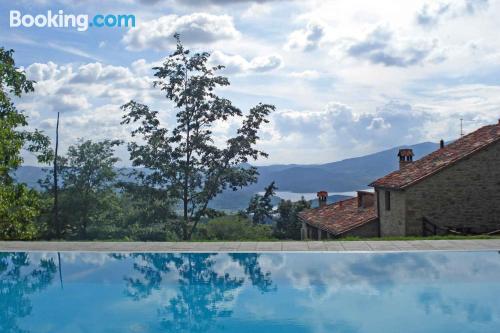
(347, 77)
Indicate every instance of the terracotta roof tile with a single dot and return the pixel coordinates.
(339, 217)
(440, 159)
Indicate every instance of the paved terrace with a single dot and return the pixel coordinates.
(334, 246)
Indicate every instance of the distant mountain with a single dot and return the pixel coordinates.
(30, 175)
(347, 175)
(343, 176)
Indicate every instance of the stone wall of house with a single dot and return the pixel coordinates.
(392, 222)
(464, 195)
(366, 230)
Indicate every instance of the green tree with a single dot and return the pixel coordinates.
(260, 207)
(88, 177)
(186, 161)
(149, 212)
(288, 225)
(19, 206)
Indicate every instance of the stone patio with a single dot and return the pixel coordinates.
(291, 246)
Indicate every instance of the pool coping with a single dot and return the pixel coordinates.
(279, 246)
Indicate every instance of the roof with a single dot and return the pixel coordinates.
(340, 216)
(440, 159)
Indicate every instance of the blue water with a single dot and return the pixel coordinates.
(278, 292)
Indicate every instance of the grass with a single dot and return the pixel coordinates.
(256, 237)
(351, 239)
(406, 238)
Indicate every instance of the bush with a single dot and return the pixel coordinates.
(155, 233)
(232, 227)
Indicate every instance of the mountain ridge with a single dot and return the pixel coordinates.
(346, 175)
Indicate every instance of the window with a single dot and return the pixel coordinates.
(387, 200)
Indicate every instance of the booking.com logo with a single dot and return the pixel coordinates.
(61, 20)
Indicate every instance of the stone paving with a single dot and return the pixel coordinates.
(292, 246)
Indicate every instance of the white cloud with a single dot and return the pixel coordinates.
(432, 13)
(238, 64)
(471, 6)
(94, 72)
(307, 39)
(307, 74)
(366, 54)
(69, 103)
(257, 11)
(197, 28)
(378, 123)
(267, 63)
(89, 97)
(381, 47)
(48, 71)
(340, 131)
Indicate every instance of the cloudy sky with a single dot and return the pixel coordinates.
(347, 77)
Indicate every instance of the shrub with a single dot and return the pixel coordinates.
(232, 227)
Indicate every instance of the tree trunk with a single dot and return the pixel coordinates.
(84, 228)
(56, 190)
(186, 235)
(85, 218)
(185, 198)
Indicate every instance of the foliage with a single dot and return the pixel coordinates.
(12, 138)
(146, 207)
(186, 161)
(19, 206)
(260, 207)
(288, 225)
(233, 227)
(87, 195)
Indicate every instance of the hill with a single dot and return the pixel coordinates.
(342, 176)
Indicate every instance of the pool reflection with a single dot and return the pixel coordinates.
(249, 292)
(20, 278)
(204, 292)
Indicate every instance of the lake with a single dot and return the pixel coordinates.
(285, 195)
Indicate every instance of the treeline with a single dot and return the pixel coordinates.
(178, 170)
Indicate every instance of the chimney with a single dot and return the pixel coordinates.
(322, 197)
(405, 157)
(441, 144)
(365, 199)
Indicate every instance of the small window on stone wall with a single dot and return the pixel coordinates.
(387, 200)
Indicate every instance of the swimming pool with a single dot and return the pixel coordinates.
(249, 292)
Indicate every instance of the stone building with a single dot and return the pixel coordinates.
(455, 189)
(352, 217)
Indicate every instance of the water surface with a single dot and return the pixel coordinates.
(250, 292)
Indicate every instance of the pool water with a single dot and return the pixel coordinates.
(250, 292)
